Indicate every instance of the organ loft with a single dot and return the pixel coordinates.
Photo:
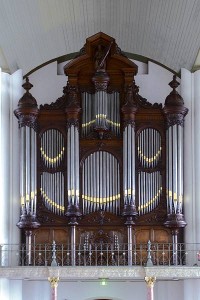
(101, 167)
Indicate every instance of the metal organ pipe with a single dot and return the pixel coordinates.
(94, 182)
(72, 162)
(73, 165)
(76, 164)
(170, 184)
(33, 171)
(129, 164)
(125, 142)
(180, 168)
(28, 141)
(35, 175)
(23, 167)
(175, 166)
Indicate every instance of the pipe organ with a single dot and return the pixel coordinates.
(101, 164)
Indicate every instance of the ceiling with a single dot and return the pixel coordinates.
(36, 31)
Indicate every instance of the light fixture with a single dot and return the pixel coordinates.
(103, 281)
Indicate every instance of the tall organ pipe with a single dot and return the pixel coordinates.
(73, 165)
(28, 141)
(28, 170)
(129, 164)
(174, 168)
(23, 167)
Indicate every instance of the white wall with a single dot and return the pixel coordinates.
(163, 290)
(48, 86)
(36, 290)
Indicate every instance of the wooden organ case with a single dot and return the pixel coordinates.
(101, 165)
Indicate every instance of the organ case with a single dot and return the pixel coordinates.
(109, 163)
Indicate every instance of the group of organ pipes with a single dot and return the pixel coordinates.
(101, 183)
(101, 150)
(100, 110)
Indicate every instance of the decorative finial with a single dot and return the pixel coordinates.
(174, 83)
(27, 85)
(174, 99)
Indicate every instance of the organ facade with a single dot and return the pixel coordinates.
(101, 167)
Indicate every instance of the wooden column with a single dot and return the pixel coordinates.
(73, 210)
(129, 110)
(54, 285)
(150, 281)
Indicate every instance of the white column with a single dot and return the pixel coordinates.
(191, 289)
(54, 285)
(16, 92)
(189, 158)
(150, 281)
(197, 152)
(190, 91)
(4, 164)
(4, 289)
(15, 289)
(9, 214)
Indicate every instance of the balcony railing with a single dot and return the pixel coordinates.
(54, 254)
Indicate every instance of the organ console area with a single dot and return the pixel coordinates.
(101, 166)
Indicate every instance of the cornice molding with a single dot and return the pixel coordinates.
(94, 273)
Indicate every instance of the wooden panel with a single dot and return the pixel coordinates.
(47, 235)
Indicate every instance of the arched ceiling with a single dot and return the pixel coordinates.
(33, 32)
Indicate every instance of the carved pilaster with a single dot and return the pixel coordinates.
(101, 80)
(73, 106)
(130, 213)
(175, 221)
(130, 107)
(28, 222)
(73, 213)
(27, 111)
(174, 109)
